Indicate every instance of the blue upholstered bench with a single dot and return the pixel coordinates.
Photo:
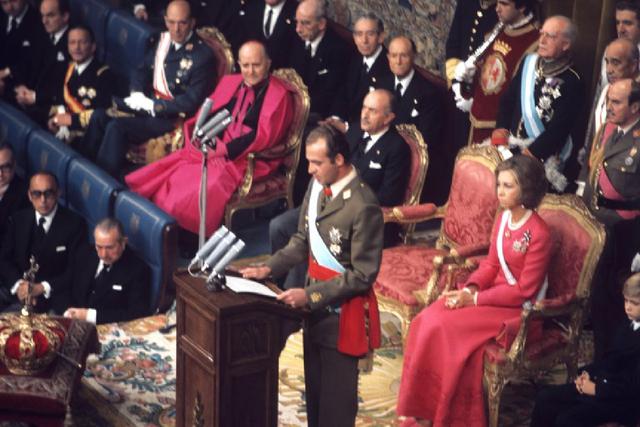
(153, 235)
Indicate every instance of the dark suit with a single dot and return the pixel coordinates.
(56, 254)
(50, 77)
(21, 50)
(120, 294)
(190, 75)
(358, 84)
(331, 377)
(324, 73)
(617, 379)
(282, 37)
(385, 167)
(13, 200)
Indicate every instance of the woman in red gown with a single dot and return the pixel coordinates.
(442, 374)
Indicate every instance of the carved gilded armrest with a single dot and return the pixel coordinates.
(412, 214)
(450, 265)
(247, 180)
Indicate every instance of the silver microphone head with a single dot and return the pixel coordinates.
(228, 257)
(213, 121)
(208, 246)
(218, 251)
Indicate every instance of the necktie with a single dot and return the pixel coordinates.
(10, 26)
(53, 39)
(40, 232)
(364, 143)
(103, 272)
(399, 90)
(41, 223)
(616, 136)
(325, 197)
(308, 50)
(267, 25)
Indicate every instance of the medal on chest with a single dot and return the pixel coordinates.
(336, 239)
(522, 244)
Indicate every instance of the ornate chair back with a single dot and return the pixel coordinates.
(278, 185)
(220, 47)
(578, 240)
(419, 166)
(472, 205)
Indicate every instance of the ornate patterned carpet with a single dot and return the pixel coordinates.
(132, 383)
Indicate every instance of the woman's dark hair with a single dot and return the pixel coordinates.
(336, 141)
(530, 176)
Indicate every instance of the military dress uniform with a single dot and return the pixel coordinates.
(350, 225)
(612, 193)
(190, 72)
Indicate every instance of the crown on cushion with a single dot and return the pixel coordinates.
(29, 343)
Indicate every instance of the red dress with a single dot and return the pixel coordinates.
(442, 372)
(173, 183)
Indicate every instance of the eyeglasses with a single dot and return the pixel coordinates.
(48, 194)
(6, 168)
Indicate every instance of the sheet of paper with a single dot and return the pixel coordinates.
(240, 285)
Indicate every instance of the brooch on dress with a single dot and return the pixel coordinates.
(522, 244)
(335, 236)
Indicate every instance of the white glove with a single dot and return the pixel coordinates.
(464, 72)
(463, 104)
(63, 133)
(139, 102)
(635, 264)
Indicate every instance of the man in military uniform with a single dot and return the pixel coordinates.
(498, 64)
(87, 85)
(612, 193)
(539, 123)
(472, 20)
(341, 235)
(184, 72)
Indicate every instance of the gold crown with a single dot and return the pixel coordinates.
(29, 343)
(501, 47)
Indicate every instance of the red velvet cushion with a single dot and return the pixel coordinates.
(571, 243)
(405, 269)
(48, 394)
(472, 204)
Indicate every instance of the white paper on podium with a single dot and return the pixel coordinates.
(240, 285)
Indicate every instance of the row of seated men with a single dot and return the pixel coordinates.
(106, 283)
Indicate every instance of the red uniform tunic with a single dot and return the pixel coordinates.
(497, 67)
(173, 183)
(442, 372)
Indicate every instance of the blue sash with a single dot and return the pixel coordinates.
(532, 122)
(319, 249)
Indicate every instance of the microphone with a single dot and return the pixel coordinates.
(215, 255)
(213, 121)
(208, 246)
(210, 138)
(202, 116)
(228, 257)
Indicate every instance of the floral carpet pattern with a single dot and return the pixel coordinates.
(132, 383)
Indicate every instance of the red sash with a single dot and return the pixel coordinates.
(359, 330)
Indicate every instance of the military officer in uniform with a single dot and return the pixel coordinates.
(340, 233)
(87, 85)
(184, 73)
(612, 192)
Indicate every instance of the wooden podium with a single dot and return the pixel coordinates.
(227, 356)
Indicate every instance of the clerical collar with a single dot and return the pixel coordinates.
(83, 66)
(47, 218)
(58, 35)
(405, 81)
(314, 43)
(339, 185)
(521, 23)
(553, 67)
(258, 86)
(371, 59)
(177, 46)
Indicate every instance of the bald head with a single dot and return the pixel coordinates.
(179, 21)
(621, 60)
(401, 56)
(254, 62)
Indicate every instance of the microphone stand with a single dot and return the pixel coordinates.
(202, 199)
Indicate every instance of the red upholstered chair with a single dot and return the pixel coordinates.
(467, 220)
(279, 184)
(419, 166)
(578, 242)
(156, 148)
